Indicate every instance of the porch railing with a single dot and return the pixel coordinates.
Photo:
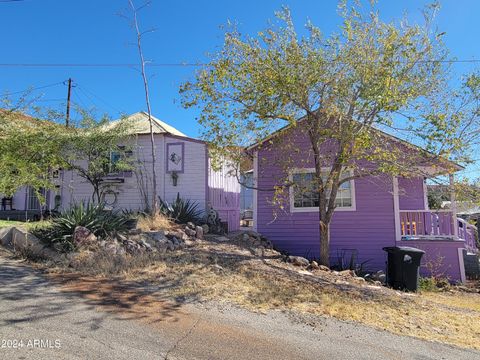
(436, 224)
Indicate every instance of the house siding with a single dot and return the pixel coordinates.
(411, 193)
(366, 230)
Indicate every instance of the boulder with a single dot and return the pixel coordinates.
(179, 234)
(199, 232)
(246, 237)
(206, 229)
(190, 232)
(6, 235)
(156, 235)
(121, 237)
(313, 265)
(134, 232)
(298, 261)
(191, 225)
(347, 273)
(83, 236)
(21, 240)
(323, 268)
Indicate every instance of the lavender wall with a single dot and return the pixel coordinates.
(411, 193)
(367, 229)
(441, 258)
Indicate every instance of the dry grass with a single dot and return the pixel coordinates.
(154, 222)
(231, 273)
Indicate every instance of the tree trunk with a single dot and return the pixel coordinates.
(324, 243)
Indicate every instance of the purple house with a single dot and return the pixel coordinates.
(372, 212)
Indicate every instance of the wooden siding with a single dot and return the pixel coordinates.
(365, 230)
(442, 256)
(411, 195)
(224, 195)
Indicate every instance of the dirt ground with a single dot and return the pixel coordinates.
(231, 271)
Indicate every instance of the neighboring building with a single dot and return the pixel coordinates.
(182, 167)
(372, 212)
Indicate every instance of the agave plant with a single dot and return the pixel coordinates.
(92, 216)
(181, 210)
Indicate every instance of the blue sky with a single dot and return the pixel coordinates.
(89, 31)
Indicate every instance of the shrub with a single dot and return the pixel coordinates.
(181, 210)
(433, 284)
(92, 216)
(147, 222)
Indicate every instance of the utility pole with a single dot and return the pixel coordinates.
(67, 118)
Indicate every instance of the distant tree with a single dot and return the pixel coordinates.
(97, 149)
(30, 149)
(370, 76)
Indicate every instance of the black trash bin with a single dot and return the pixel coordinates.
(403, 268)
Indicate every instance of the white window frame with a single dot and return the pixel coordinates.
(294, 209)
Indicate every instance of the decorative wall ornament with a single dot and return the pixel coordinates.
(175, 157)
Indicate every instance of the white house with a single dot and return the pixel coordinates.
(182, 165)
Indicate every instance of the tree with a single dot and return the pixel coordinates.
(29, 151)
(143, 72)
(346, 92)
(97, 149)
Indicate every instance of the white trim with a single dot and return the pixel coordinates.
(425, 194)
(453, 205)
(294, 209)
(463, 277)
(396, 209)
(255, 191)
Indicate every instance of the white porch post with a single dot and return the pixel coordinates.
(396, 209)
(453, 205)
(255, 194)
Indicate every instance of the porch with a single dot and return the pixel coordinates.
(439, 225)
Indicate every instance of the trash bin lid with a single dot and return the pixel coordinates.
(409, 249)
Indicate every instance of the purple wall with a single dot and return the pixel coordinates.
(367, 229)
(440, 259)
(411, 195)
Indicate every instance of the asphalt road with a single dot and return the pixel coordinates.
(56, 325)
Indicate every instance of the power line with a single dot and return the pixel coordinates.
(182, 64)
(86, 92)
(34, 89)
(98, 65)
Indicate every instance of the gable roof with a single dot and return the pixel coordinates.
(280, 131)
(141, 125)
(22, 120)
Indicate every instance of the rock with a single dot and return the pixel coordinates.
(189, 243)
(134, 232)
(191, 225)
(222, 238)
(170, 246)
(190, 232)
(298, 261)
(146, 245)
(178, 234)
(314, 265)
(246, 237)
(347, 273)
(121, 237)
(199, 232)
(112, 247)
(83, 236)
(156, 235)
(323, 268)
(206, 229)
(258, 251)
(359, 278)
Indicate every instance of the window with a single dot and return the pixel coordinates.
(304, 197)
(117, 161)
